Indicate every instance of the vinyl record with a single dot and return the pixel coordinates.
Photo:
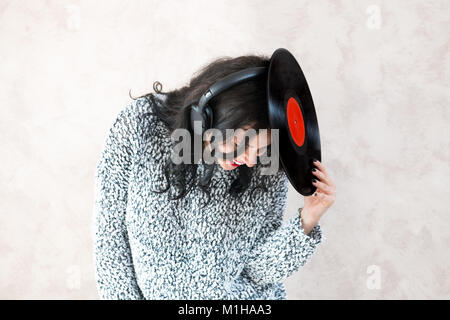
(291, 110)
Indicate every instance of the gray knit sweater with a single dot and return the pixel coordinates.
(149, 247)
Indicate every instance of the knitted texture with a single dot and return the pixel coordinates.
(147, 246)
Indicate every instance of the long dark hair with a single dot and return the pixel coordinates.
(237, 107)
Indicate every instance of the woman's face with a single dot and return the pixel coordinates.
(256, 146)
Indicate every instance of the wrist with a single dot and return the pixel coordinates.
(309, 216)
(309, 220)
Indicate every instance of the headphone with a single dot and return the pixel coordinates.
(202, 111)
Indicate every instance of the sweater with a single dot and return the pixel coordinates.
(147, 246)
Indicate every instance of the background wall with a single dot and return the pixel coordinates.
(379, 75)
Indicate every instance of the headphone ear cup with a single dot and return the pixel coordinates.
(197, 116)
(208, 117)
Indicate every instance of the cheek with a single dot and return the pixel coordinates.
(253, 154)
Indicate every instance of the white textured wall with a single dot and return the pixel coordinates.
(379, 75)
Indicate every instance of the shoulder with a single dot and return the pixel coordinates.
(151, 134)
(136, 128)
(139, 114)
(278, 182)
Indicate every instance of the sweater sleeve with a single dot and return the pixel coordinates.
(114, 271)
(280, 249)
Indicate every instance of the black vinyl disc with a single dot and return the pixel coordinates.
(291, 110)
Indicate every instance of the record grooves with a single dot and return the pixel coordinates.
(291, 110)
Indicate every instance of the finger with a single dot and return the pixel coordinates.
(320, 166)
(322, 177)
(319, 195)
(322, 187)
(323, 197)
(324, 171)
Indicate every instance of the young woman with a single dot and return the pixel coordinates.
(198, 231)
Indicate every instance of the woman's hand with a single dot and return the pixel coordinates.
(316, 204)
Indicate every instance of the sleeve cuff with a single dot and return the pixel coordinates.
(315, 236)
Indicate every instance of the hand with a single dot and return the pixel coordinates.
(316, 204)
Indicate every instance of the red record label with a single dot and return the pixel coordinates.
(295, 122)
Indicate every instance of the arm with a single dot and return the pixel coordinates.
(308, 222)
(280, 250)
(114, 271)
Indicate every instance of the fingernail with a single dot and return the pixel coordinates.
(314, 180)
(314, 170)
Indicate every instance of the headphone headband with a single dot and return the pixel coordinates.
(202, 112)
(228, 82)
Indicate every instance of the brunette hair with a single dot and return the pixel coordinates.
(237, 107)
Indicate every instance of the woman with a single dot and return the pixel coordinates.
(198, 231)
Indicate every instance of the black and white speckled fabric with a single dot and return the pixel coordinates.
(149, 247)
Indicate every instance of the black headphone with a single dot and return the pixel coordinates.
(202, 111)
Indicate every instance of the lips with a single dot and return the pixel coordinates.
(235, 164)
